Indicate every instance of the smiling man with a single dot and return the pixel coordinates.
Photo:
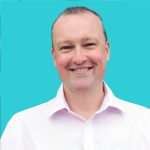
(80, 52)
(85, 115)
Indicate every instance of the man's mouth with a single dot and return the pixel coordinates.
(81, 69)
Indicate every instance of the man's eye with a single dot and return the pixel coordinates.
(66, 47)
(89, 44)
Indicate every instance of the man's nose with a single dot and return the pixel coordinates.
(79, 56)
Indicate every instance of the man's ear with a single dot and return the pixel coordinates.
(53, 54)
(107, 48)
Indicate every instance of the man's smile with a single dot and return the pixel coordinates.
(81, 70)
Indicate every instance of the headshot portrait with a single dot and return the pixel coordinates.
(80, 77)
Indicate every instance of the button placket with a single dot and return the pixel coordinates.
(88, 136)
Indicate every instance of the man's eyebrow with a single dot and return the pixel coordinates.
(82, 40)
(88, 39)
(64, 42)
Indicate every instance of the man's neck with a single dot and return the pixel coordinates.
(85, 103)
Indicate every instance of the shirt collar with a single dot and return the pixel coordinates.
(59, 103)
(110, 100)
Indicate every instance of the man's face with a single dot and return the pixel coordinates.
(80, 51)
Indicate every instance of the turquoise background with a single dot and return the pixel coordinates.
(28, 75)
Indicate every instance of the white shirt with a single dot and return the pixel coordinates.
(118, 125)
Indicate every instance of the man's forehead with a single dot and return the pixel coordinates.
(77, 26)
(71, 17)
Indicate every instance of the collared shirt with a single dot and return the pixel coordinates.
(117, 125)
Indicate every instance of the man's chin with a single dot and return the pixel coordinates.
(81, 86)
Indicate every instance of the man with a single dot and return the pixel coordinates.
(85, 115)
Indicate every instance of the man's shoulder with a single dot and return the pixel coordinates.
(127, 106)
(35, 111)
(28, 119)
(133, 108)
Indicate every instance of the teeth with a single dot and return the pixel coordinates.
(81, 69)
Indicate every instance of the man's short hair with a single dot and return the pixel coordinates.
(77, 10)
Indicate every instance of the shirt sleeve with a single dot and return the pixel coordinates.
(11, 137)
(145, 128)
